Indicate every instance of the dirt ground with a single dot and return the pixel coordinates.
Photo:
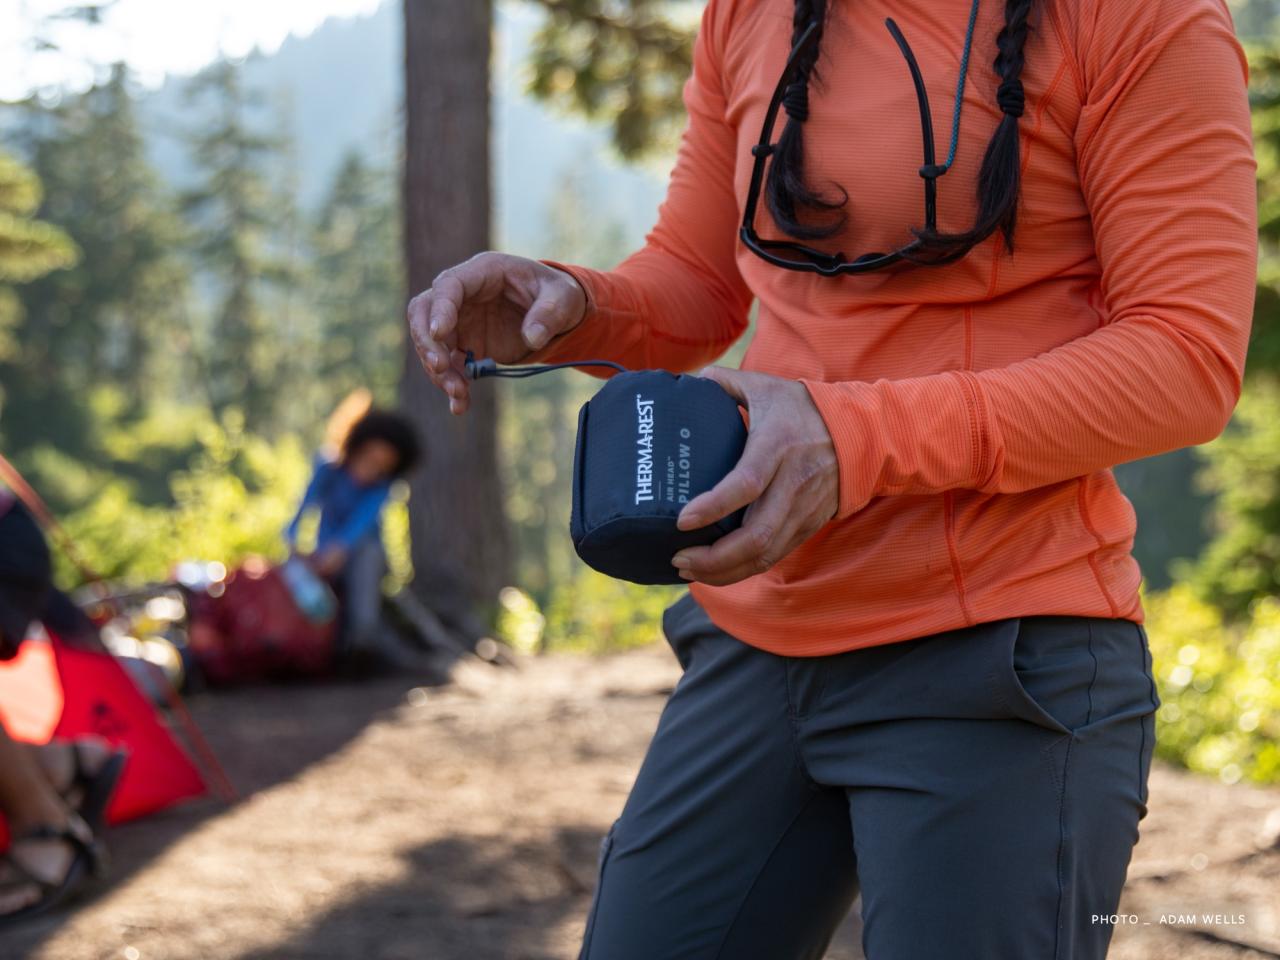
(393, 822)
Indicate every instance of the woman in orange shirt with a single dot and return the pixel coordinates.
(919, 668)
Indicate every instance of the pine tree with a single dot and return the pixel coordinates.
(358, 283)
(233, 215)
(29, 249)
(115, 312)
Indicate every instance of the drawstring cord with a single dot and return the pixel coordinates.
(476, 369)
(964, 72)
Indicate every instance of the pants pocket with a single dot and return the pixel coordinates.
(1145, 647)
(1044, 671)
(606, 849)
(1076, 675)
(1148, 722)
(682, 623)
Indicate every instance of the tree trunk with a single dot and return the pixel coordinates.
(461, 549)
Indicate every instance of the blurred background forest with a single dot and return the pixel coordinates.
(193, 273)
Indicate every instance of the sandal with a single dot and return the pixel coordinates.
(95, 787)
(87, 861)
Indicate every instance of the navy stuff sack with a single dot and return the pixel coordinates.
(648, 443)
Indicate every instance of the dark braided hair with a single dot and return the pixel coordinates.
(786, 190)
(998, 180)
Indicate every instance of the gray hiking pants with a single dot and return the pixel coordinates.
(982, 787)
(360, 586)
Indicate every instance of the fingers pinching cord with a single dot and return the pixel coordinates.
(432, 317)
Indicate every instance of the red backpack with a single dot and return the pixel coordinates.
(255, 631)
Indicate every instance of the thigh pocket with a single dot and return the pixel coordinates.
(606, 848)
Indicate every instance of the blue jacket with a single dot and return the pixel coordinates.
(348, 511)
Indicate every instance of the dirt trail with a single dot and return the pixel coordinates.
(391, 822)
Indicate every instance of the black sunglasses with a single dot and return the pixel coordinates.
(808, 259)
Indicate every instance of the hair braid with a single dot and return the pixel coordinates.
(786, 191)
(999, 179)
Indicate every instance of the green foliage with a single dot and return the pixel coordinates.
(587, 613)
(1264, 96)
(1219, 686)
(28, 248)
(395, 538)
(1242, 470)
(233, 498)
(620, 61)
(519, 621)
(592, 613)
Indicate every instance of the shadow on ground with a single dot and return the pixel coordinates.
(263, 736)
(515, 902)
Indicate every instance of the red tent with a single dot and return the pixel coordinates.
(52, 690)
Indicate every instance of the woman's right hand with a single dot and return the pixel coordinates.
(494, 305)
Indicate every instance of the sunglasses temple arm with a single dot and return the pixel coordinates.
(930, 171)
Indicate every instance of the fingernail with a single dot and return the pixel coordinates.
(681, 562)
(537, 335)
(432, 359)
(435, 329)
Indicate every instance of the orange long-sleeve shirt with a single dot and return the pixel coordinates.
(976, 409)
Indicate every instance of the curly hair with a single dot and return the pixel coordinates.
(390, 427)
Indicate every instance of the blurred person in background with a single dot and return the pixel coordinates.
(54, 796)
(366, 450)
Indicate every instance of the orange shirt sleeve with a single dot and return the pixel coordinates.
(679, 302)
(1165, 157)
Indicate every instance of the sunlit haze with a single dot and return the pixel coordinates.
(156, 37)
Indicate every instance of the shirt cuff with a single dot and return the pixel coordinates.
(847, 411)
(918, 436)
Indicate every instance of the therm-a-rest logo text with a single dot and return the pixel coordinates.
(644, 450)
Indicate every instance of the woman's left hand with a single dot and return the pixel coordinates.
(787, 474)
